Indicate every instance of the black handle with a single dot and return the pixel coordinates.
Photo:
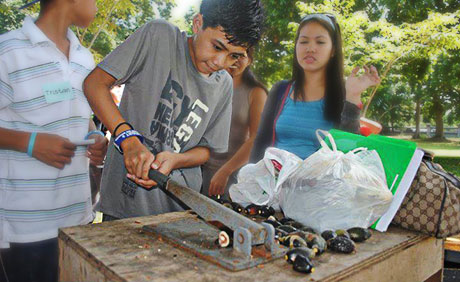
(159, 178)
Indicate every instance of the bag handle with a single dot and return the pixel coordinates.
(321, 139)
(359, 149)
(450, 177)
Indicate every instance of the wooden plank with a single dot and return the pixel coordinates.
(453, 243)
(121, 251)
(400, 265)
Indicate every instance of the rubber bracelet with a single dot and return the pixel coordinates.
(94, 132)
(125, 135)
(30, 147)
(120, 124)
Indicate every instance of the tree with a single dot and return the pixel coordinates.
(444, 91)
(391, 106)
(273, 57)
(415, 74)
(115, 20)
(405, 11)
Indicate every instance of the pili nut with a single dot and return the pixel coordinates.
(359, 234)
(272, 218)
(303, 265)
(341, 244)
(328, 234)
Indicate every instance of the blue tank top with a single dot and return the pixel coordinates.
(297, 124)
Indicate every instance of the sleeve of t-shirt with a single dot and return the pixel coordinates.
(130, 57)
(217, 134)
(6, 91)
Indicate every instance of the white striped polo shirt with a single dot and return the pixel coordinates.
(37, 199)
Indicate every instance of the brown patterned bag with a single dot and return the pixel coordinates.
(432, 204)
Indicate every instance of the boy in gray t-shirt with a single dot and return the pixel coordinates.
(177, 97)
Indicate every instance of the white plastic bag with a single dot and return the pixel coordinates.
(331, 190)
(260, 183)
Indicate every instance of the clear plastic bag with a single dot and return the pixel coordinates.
(331, 190)
(260, 183)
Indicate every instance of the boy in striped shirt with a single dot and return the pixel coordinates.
(44, 116)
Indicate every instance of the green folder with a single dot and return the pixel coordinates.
(400, 159)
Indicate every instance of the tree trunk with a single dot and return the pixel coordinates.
(417, 119)
(439, 115)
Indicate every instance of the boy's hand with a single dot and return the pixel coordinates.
(53, 150)
(138, 162)
(218, 182)
(96, 152)
(165, 162)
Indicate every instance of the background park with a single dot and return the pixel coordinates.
(415, 44)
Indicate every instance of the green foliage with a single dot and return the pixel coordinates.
(188, 18)
(405, 11)
(450, 164)
(117, 19)
(391, 106)
(273, 58)
(10, 17)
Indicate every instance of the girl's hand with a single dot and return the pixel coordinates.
(355, 85)
(219, 182)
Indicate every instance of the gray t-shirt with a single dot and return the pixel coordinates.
(172, 105)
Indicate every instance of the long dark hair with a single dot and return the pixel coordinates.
(248, 77)
(335, 85)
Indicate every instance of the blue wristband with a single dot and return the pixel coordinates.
(94, 132)
(30, 147)
(125, 135)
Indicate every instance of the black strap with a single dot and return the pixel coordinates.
(120, 124)
(441, 209)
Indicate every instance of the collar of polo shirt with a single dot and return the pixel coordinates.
(36, 35)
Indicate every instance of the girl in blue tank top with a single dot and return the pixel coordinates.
(316, 97)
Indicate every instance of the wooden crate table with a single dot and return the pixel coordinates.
(122, 251)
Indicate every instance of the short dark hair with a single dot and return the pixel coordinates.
(241, 20)
(335, 85)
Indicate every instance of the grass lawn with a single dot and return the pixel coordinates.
(446, 154)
